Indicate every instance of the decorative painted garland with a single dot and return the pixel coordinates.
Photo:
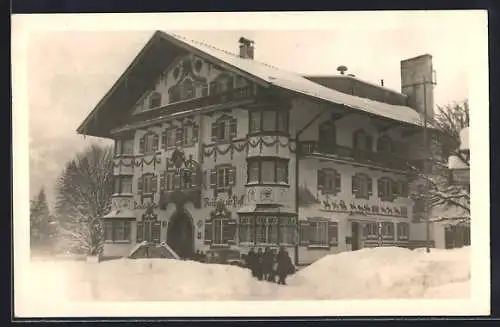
(156, 159)
(241, 145)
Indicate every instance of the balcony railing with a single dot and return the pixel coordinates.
(385, 160)
(243, 93)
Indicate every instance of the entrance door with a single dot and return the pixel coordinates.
(180, 234)
(355, 236)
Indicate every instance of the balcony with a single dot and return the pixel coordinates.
(234, 95)
(368, 158)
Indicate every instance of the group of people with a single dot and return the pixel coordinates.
(267, 264)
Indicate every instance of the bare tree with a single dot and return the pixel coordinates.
(83, 196)
(434, 187)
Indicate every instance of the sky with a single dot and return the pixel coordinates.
(74, 62)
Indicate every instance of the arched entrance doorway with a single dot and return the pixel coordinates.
(180, 233)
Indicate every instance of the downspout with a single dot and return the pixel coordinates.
(297, 164)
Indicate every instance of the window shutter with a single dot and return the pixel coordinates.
(333, 233)
(156, 142)
(395, 189)
(232, 176)
(179, 136)
(369, 185)
(305, 230)
(229, 231)
(208, 232)
(140, 231)
(154, 184)
(156, 231)
(233, 128)
(380, 187)
(338, 183)
(213, 178)
(369, 143)
(213, 88)
(215, 131)
(141, 145)
(139, 184)
(321, 179)
(164, 139)
(162, 181)
(355, 186)
(195, 133)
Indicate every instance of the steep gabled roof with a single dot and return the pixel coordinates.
(142, 70)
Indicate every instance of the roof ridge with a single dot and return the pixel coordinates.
(222, 50)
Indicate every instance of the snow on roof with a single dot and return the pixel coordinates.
(295, 82)
(455, 162)
(464, 139)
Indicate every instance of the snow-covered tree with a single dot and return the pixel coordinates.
(41, 232)
(433, 186)
(83, 196)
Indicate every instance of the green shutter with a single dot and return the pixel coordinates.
(338, 183)
(233, 125)
(355, 186)
(215, 131)
(232, 176)
(139, 184)
(369, 185)
(154, 184)
(213, 178)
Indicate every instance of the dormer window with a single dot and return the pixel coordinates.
(155, 100)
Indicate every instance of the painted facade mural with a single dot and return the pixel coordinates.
(226, 178)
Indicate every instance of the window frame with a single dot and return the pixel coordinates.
(118, 184)
(127, 231)
(280, 116)
(275, 163)
(387, 193)
(364, 182)
(224, 126)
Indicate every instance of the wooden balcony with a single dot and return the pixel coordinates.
(235, 95)
(369, 158)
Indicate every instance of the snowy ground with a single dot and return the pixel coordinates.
(366, 274)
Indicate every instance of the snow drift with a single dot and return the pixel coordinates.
(368, 273)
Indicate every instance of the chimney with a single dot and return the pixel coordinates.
(246, 48)
(418, 84)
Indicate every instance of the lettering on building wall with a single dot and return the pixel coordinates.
(234, 202)
(356, 207)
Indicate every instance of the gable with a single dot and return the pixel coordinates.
(188, 77)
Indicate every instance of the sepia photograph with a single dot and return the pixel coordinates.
(316, 161)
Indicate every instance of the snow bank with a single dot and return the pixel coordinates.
(368, 273)
(387, 272)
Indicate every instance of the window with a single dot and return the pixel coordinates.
(384, 144)
(362, 186)
(318, 232)
(117, 231)
(268, 121)
(223, 177)
(385, 189)
(362, 141)
(253, 171)
(190, 135)
(184, 91)
(224, 129)
(327, 137)
(403, 231)
(149, 143)
(329, 181)
(123, 184)
(220, 231)
(155, 100)
(266, 230)
(370, 230)
(388, 230)
(124, 147)
(147, 184)
(267, 170)
(148, 230)
(168, 138)
(246, 230)
(287, 230)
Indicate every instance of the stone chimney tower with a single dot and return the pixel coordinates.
(246, 48)
(414, 73)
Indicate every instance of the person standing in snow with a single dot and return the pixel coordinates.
(267, 264)
(285, 266)
(251, 260)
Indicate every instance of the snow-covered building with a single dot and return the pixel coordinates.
(207, 143)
